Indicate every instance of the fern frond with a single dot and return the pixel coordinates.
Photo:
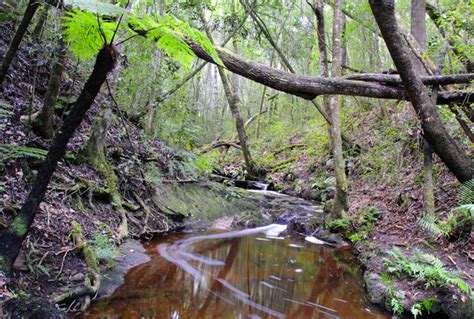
(429, 223)
(172, 35)
(5, 109)
(11, 151)
(466, 193)
(82, 31)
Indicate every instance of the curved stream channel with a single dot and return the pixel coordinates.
(252, 273)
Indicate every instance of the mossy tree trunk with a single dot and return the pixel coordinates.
(233, 100)
(39, 27)
(340, 198)
(94, 154)
(318, 9)
(17, 37)
(43, 123)
(13, 236)
(418, 29)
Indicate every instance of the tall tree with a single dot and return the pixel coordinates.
(318, 9)
(233, 100)
(340, 198)
(418, 29)
(43, 123)
(434, 131)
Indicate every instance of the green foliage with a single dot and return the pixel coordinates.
(357, 227)
(86, 33)
(424, 306)
(459, 220)
(466, 193)
(5, 109)
(11, 151)
(425, 268)
(394, 295)
(104, 248)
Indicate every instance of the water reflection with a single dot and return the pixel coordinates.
(238, 275)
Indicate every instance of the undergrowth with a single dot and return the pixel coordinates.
(425, 268)
(104, 248)
(459, 220)
(356, 228)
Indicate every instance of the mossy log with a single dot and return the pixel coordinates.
(280, 165)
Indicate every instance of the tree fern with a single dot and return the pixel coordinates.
(85, 33)
(171, 35)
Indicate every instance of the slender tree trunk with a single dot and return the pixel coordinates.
(465, 127)
(38, 30)
(260, 107)
(340, 204)
(43, 123)
(234, 105)
(418, 29)
(17, 37)
(318, 9)
(434, 130)
(13, 236)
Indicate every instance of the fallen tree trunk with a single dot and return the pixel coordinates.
(218, 144)
(434, 130)
(427, 80)
(309, 87)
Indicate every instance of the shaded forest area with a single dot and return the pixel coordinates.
(362, 106)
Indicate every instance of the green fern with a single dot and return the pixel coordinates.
(85, 33)
(171, 36)
(425, 268)
(459, 219)
(5, 109)
(11, 151)
(466, 193)
(430, 223)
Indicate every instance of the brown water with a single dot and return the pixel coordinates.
(240, 275)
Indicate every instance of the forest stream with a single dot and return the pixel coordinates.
(250, 273)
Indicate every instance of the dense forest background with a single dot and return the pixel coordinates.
(360, 105)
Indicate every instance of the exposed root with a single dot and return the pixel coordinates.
(92, 280)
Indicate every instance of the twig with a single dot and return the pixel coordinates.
(62, 263)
